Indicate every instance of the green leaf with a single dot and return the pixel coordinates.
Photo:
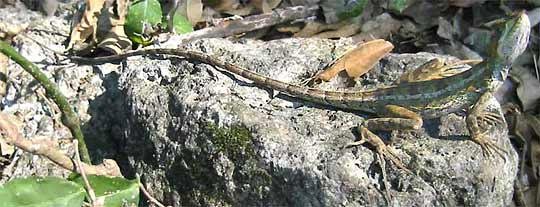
(115, 191)
(399, 5)
(354, 9)
(143, 20)
(42, 192)
(181, 24)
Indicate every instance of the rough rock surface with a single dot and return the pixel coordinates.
(203, 137)
(93, 93)
(200, 137)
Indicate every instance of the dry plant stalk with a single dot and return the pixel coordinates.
(47, 148)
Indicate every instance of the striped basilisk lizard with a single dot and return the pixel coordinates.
(406, 103)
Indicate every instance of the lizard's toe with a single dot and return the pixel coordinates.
(489, 148)
(385, 151)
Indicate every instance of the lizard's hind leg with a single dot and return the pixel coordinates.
(400, 118)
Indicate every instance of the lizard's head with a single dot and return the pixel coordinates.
(512, 36)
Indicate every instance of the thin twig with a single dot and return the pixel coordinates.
(247, 24)
(47, 148)
(536, 66)
(89, 188)
(150, 198)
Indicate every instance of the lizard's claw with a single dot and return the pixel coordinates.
(380, 147)
(490, 118)
(489, 148)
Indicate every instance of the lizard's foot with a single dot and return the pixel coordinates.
(382, 150)
(489, 148)
(478, 115)
(490, 118)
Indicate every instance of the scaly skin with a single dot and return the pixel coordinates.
(430, 99)
(411, 101)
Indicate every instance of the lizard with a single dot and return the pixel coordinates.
(436, 68)
(401, 106)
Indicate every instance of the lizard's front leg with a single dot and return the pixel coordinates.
(398, 118)
(477, 115)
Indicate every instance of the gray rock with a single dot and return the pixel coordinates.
(91, 92)
(203, 137)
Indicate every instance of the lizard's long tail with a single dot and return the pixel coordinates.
(511, 42)
(338, 99)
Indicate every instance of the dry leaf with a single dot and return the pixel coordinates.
(7, 30)
(382, 27)
(191, 9)
(357, 61)
(194, 11)
(49, 7)
(525, 195)
(526, 127)
(344, 28)
(535, 155)
(7, 2)
(350, 28)
(7, 149)
(88, 25)
(265, 6)
(527, 90)
(242, 11)
(225, 5)
(116, 40)
(534, 144)
(445, 30)
(313, 27)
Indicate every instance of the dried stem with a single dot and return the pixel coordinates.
(150, 197)
(69, 117)
(47, 148)
(89, 188)
(251, 23)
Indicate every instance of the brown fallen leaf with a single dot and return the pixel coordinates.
(7, 149)
(314, 27)
(88, 24)
(358, 60)
(382, 27)
(323, 30)
(265, 6)
(116, 40)
(8, 31)
(192, 10)
(534, 143)
(528, 85)
(223, 5)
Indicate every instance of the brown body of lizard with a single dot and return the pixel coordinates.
(406, 102)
